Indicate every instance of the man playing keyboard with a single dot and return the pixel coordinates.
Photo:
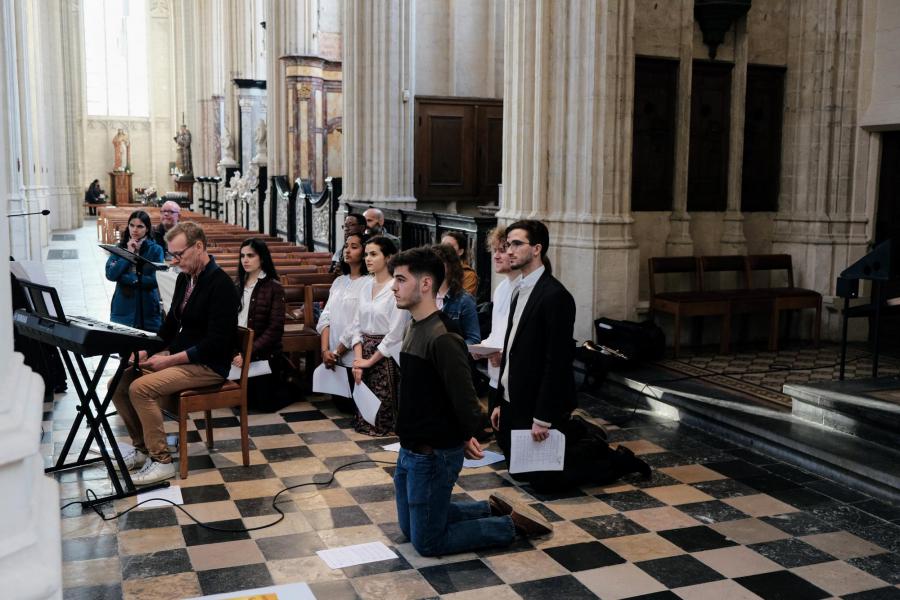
(199, 332)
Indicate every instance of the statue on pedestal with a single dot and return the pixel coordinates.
(122, 151)
(262, 153)
(226, 144)
(183, 158)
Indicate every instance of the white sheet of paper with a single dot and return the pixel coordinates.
(489, 459)
(257, 368)
(395, 447)
(165, 280)
(326, 381)
(358, 554)
(367, 402)
(482, 350)
(528, 455)
(173, 493)
(290, 591)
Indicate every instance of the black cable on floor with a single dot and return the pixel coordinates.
(91, 495)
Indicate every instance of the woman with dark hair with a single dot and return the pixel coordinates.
(261, 308)
(376, 335)
(453, 300)
(337, 316)
(457, 240)
(124, 307)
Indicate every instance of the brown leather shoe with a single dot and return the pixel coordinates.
(500, 506)
(529, 522)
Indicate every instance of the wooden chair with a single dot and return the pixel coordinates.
(300, 335)
(225, 395)
(694, 303)
(788, 298)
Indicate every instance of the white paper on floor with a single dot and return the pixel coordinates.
(490, 457)
(171, 493)
(290, 591)
(358, 554)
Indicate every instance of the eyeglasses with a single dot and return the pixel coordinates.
(169, 212)
(516, 244)
(178, 255)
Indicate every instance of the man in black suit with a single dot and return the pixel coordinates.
(536, 390)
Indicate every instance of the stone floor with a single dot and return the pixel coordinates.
(714, 521)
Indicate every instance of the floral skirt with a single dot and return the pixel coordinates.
(383, 379)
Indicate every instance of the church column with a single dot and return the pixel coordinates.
(567, 137)
(378, 102)
(733, 240)
(680, 242)
(30, 556)
(822, 147)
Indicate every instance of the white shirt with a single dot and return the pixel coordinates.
(339, 312)
(525, 285)
(499, 318)
(244, 315)
(379, 316)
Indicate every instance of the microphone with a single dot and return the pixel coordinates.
(44, 212)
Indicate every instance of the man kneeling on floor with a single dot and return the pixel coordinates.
(199, 332)
(437, 417)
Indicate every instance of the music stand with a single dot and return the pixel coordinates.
(44, 304)
(140, 263)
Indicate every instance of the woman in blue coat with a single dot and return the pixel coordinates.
(135, 239)
(453, 300)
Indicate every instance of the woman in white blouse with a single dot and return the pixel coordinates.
(337, 316)
(502, 296)
(376, 335)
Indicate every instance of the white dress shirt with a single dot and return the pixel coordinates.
(499, 318)
(379, 316)
(339, 312)
(525, 285)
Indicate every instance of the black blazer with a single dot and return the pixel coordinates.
(207, 329)
(541, 378)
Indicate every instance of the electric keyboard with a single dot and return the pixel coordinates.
(86, 336)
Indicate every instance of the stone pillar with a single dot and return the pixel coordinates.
(680, 242)
(733, 240)
(567, 116)
(30, 556)
(818, 222)
(378, 102)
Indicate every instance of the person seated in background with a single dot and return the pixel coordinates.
(261, 306)
(199, 332)
(457, 240)
(453, 300)
(94, 193)
(124, 306)
(353, 223)
(375, 225)
(168, 218)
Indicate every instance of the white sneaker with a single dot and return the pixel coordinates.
(153, 472)
(134, 459)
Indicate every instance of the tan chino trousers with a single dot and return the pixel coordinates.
(141, 397)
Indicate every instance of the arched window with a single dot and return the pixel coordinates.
(115, 57)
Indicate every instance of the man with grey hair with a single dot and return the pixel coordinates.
(375, 225)
(168, 217)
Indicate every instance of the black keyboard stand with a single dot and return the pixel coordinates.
(94, 412)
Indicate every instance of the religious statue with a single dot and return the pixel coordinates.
(262, 154)
(122, 149)
(183, 157)
(226, 144)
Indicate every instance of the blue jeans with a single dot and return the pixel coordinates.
(434, 525)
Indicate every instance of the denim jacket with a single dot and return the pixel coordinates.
(462, 311)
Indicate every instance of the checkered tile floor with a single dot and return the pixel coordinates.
(715, 521)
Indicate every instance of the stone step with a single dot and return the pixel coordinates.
(865, 466)
(865, 408)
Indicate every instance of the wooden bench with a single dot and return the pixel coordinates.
(691, 303)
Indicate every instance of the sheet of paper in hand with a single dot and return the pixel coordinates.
(527, 456)
(367, 402)
(328, 381)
